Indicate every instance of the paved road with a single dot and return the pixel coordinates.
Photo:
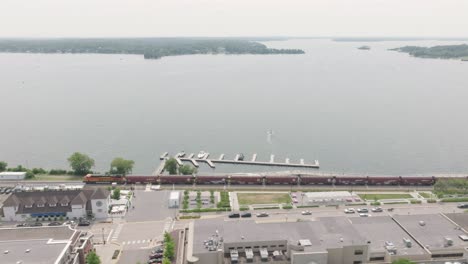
(150, 206)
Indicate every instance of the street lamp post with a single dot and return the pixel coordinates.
(103, 241)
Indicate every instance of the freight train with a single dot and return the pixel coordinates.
(296, 179)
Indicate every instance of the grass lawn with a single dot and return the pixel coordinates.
(426, 195)
(45, 177)
(263, 198)
(377, 196)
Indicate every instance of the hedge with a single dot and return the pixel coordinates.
(266, 208)
(287, 206)
(354, 204)
(415, 201)
(307, 206)
(204, 210)
(455, 200)
(243, 208)
(375, 203)
(189, 217)
(432, 201)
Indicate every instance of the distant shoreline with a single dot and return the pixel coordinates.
(150, 48)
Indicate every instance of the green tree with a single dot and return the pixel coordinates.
(403, 261)
(166, 261)
(29, 175)
(93, 258)
(3, 166)
(171, 166)
(80, 163)
(187, 170)
(116, 194)
(121, 166)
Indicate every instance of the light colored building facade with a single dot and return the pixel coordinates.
(22, 206)
(10, 175)
(330, 240)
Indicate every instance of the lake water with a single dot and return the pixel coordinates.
(376, 112)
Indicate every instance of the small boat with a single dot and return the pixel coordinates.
(201, 154)
(241, 157)
(181, 154)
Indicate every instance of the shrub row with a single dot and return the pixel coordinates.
(455, 200)
(307, 206)
(204, 210)
(224, 203)
(266, 208)
(287, 206)
(431, 200)
(189, 217)
(415, 201)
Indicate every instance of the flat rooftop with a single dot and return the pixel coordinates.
(436, 227)
(380, 229)
(330, 232)
(45, 244)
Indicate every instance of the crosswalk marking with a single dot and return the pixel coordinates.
(133, 242)
(117, 232)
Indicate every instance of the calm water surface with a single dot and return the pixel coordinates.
(377, 111)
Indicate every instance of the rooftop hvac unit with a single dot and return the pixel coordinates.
(422, 223)
(448, 241)
(407, 242)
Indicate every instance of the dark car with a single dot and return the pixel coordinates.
(262, 214)
(234, 215)
(21, 225)
(2, 190)
(157, 250)
(462, 206)
(8, 191)
(54, 224)
(84, 223)
(36, 224)
(154, 261)
(156, 256)
(246, 215)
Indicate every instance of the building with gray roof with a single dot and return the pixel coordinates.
(56, 203)
(334, 240)
(44, 245)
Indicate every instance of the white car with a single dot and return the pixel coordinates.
(364, 215)
(349, 211)
(306, 212)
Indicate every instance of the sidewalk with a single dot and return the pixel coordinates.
(105, 252)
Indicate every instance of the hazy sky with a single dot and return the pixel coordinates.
(152, 18)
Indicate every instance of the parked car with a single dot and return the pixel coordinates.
(262, 214)
(377, 209)
(8, 191)
(362, 210)
(84, 223)
(295, 200)
(54, 224)
(157, 250)
(462, 205)
(246, 215)
(156, 256)
(21, 225)
(36, 224)
(306, 213)
(234, 215)
(364, 215)
(2, 190)
(349, 211)
(154, 261)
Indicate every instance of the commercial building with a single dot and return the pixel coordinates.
(334, 240)
(10, 175)
(47, 245)
(22, 206)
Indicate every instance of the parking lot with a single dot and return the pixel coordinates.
(150, 206)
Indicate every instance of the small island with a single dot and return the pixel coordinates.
(150, 48)
(364, 48)
(437, 52)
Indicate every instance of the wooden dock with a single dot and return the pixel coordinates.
(212, 162)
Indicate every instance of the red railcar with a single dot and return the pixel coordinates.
(349, 180)
(142, 179)
(383, 180)
(289, 179)
(214, 179)
(93, 178)
(176, 179)
(417, 180)
(316, 180)
(236, 179)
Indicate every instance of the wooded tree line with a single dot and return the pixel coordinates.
(150, 48)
